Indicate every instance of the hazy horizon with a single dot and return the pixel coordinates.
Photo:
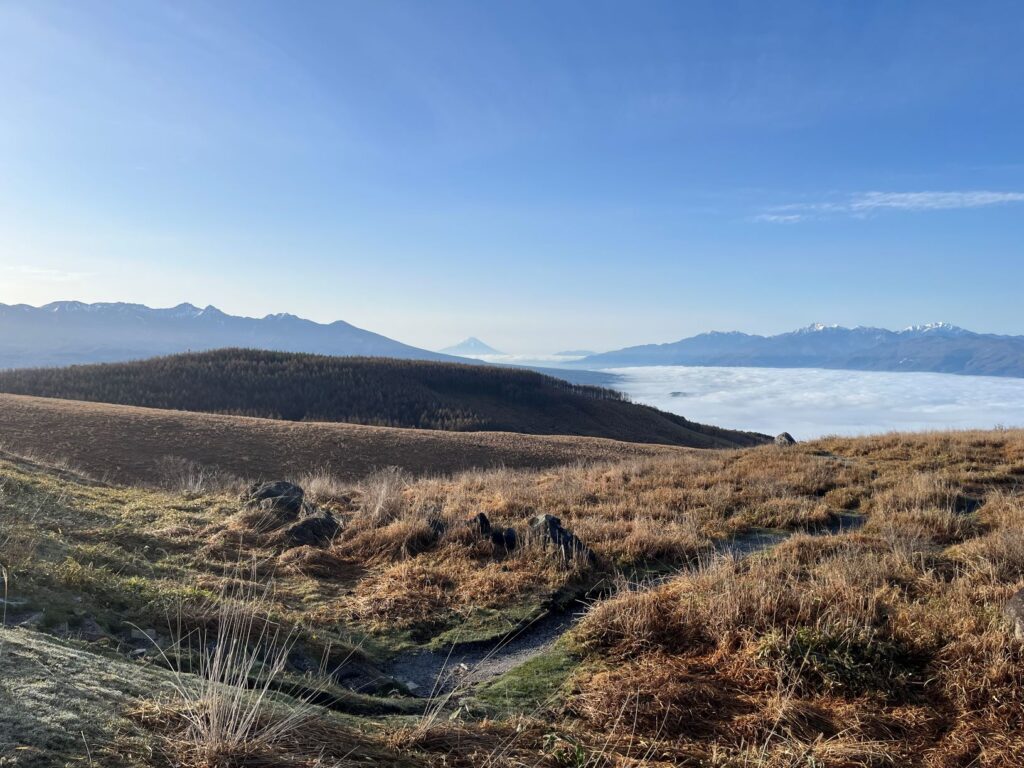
(517, 353)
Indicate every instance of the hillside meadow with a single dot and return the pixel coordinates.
(880, 643)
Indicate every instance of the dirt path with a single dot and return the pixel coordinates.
(430, 673)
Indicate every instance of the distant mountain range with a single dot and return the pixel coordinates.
(937, 347)
(72, 332)
(67, 332)
(470, 347)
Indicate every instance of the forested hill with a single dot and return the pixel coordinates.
(373, 391)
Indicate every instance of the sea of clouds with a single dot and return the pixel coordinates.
(810, 402)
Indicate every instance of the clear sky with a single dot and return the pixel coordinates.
(542, 175)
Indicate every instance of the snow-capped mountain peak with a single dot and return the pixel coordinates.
(939, 327)
(819, 327)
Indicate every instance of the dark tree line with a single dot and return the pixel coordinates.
(296, 387)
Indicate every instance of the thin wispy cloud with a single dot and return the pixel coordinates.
(46, 275)
(779, 218)
(865, 203)
(932, 201)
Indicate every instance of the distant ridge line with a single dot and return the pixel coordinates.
(933, 347)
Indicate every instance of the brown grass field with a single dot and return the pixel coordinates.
(127, 444)
(881, 646)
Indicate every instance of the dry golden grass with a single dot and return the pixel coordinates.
(884, 646)
(130, 445)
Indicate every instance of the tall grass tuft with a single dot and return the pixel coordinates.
(225, 706)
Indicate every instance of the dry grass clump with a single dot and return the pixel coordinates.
(224, 708)
(318, 563)
(227, 711)
(323, 486)
(660, 695)
(192, 479)
(315, 740)
(435, 590)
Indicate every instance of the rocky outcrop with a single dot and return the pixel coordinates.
(280, 506)
(563, 541)
(785, 439)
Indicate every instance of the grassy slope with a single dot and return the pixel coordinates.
(372, 391)
(883, 646)
(62, 703)
(130, 444)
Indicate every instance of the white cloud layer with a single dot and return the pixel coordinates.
(865, 203)
(811, 402)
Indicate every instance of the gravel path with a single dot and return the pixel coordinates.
(431, 673)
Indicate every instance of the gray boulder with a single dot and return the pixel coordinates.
(785, 439)
(1014, 610)
(563, 541)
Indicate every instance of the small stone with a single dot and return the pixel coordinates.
(90, 630)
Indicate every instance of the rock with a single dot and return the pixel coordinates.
(316, 530)
(563, 540)
(437, 526)
(1014, 610)
(90, 630)
(31, 621)
(137, 653)
(142, 634)
(504, 538)
(280, 496)
(480, 523)
(785, 439)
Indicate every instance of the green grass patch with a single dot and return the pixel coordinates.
(533, 686)
(844, 662)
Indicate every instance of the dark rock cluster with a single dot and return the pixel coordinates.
(285, 510)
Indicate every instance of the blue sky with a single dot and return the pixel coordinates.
(541, 175)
